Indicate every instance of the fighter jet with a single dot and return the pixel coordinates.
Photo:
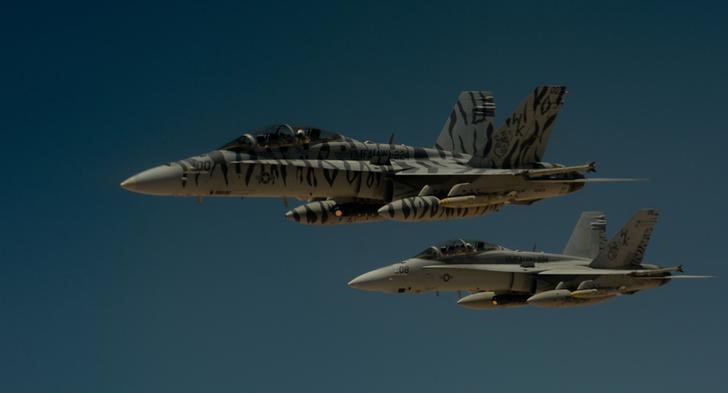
(473, 169)
(588, 271)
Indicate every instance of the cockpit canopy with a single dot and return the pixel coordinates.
(280, 135)
(457, 247)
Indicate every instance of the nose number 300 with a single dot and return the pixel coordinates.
(201, 165)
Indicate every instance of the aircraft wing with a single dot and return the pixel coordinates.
(577, 271)
(587, 271)
(418, 168)
(415, 168)
(560, 271)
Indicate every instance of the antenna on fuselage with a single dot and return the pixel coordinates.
(391, 139)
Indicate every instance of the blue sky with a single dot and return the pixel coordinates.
(105, 290)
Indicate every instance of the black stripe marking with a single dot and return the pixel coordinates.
(249, 173)
(284, 174)
(330, 175)
(218, 159)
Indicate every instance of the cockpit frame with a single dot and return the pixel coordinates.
(280, 135)
(457, 248)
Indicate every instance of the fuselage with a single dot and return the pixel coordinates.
(347, 169)
(500, 272)
(345, 180)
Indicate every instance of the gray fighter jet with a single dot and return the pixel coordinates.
(473, 168)
(588, 271)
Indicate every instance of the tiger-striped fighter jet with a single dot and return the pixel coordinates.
(473, 168)
(588, 271)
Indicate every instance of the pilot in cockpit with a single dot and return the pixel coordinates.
(280, 136)
(459, 248)
(301, 137)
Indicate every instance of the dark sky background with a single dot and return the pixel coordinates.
(102, 290)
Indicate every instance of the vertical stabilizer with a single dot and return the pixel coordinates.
(588, 237)
(522, 139)
(468, 127)
(628, 246)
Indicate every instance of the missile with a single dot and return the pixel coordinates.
(489, 300)
(478, 200)
(658, 272)
(428, 208)
(567, 298)
(330, 212)
(560, 170)
(594, 293)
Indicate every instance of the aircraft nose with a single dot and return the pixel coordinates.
(375, 280)
(161, 180)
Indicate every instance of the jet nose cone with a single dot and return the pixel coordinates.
(356, 282)
(161, 180)
(376, 280)
(292, 216)
(128, 184)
